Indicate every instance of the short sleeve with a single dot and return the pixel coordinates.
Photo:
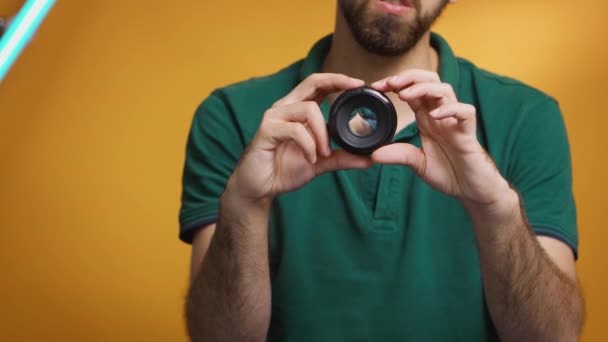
(541, 170)
(213, 149)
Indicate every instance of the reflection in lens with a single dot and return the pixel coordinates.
(362, 122)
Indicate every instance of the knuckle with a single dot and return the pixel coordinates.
(310, 106)
(315, 77)
(268, 113)
(298, 130)
(264, 128)
(415, 88)
(342, 77)
(402, 80)
(291, 132)
(404, 73)
(303, 137)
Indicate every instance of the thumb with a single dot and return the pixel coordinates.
(401, 154)
(341, 160)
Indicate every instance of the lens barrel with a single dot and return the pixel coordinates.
(374, 113)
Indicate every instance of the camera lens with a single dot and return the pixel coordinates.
(362, 120)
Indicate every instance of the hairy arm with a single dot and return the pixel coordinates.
(530, 283)
(229, 297)
(531, 289)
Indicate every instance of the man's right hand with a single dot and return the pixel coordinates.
(231, 278)
(291, 146)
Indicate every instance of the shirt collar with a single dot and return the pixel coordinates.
(448, 63)
(316, 56)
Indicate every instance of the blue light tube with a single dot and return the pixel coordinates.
(20, 32)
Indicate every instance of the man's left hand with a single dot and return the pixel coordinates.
(451, 159)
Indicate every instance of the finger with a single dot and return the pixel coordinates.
(342, 160)
(405, 79)
(284, 131)
(306, 113)
(401, 154)
(317, 86)
(460, 111)
(429, 90)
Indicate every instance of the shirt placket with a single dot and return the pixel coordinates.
(391, 185)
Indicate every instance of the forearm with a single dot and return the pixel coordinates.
(229, 299)
(529, 297)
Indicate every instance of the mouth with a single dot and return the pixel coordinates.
(395, 6)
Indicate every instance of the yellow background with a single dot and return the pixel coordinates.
(93, 124)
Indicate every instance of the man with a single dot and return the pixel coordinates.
(295, 241)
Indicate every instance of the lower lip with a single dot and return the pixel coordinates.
(393, 9)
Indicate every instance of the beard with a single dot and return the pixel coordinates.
(387, 34)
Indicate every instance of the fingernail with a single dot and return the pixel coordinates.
(394, 79)
(328, 151)
(435, 112)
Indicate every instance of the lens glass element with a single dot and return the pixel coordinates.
(362, 122)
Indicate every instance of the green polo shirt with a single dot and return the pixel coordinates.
(376, 254)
